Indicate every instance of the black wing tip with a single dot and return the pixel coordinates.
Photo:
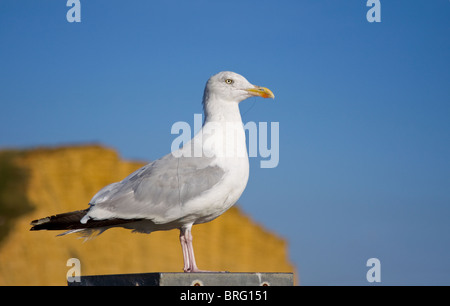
(38, 223)
(72, 221)
(62, 221)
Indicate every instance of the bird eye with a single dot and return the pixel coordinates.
(229, 81)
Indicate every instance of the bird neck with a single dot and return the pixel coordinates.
(223, 133)
(221, 111)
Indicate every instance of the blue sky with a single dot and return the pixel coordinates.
(363, 110)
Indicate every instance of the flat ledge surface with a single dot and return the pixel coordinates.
(188, 279)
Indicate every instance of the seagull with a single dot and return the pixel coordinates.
(193, 184)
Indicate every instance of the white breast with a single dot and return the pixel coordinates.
(226, 142)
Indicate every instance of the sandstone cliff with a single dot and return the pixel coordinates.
(41, 182)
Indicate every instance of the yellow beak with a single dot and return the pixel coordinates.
(261, 92)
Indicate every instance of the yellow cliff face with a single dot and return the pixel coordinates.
(65, 179)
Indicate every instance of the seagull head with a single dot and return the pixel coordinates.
(232, 87)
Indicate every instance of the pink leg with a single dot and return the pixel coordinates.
(184, 248)
(188, 250)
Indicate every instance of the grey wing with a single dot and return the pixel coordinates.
(158, 190)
